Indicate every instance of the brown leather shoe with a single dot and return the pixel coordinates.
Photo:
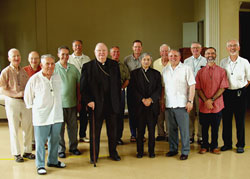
(203, 151)
(216, 151)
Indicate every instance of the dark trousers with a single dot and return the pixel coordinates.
(146, 118)
(235, 104)
(213, 120)
(83, 123)
(111, 132)
(131, 111)
(120, 119)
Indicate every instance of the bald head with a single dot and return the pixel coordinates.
(101, 52)
(34, 59)
(14, 57)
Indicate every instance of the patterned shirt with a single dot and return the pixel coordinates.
(210, 80)
(13, 82)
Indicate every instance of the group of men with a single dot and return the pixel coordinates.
(171, 95)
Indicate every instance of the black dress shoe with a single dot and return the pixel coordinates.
(171, 153)
(152, 155)
(92, 161)
(62, 155)
(120, 142)
(183, 157)
(139, 155)
(75, 152)
(115, 158)
(160, 138)
(200, 142)
(225, 148)
(191, 140)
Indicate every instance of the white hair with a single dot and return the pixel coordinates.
(237, 42)
(11, 50)
(165, 45)
(43, 58)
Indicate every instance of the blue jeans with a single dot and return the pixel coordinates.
(178, 117)
(42, 134)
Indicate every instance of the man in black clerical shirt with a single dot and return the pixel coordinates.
(100, 89)
(146, 85)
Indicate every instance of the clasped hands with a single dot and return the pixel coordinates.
(147, 101)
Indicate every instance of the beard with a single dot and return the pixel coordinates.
(211, 60)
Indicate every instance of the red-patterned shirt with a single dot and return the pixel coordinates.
(210, 80)
(30, 70)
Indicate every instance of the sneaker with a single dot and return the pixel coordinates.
(41, 171)
(84, 139)
(240, 150)
(58, 165)
(62, 155)
(29, 156)
(18, 158)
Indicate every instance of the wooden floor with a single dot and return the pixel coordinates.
(227, 165)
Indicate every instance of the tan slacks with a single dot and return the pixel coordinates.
(17, 112)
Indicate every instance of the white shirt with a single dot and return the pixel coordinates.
(177, 84)
(44, 97)
(195, 64)
(238, 72)
(78, 61)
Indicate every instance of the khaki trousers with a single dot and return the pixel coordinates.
(17, 112)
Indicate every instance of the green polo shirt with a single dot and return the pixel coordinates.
(125, 75)
(70, 79)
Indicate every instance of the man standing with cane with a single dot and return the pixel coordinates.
(100, 87)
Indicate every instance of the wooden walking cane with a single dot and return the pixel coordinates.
(93, 134)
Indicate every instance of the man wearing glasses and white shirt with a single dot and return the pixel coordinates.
(235, 99)
(195, 62)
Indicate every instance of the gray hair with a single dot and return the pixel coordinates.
(147, 54)
(237, 42)
(165, 45)
(196, 43)
(43, 57)
(11, 50)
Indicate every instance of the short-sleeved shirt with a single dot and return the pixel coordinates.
(210, 80)
(195, 64)
(78, 61)
(43, 95)
(125, 75)
(238, 72)
(132, 63)
(13, 81)
(70, 79)
(177, 82)
(157, 65)
(30, 71)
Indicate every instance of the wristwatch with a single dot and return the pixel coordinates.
(189, 101)
(212, 99)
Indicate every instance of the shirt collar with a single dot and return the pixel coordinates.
(74, 56)
(60, 65)
(14, 67)
(230, 61)
(196, 58)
